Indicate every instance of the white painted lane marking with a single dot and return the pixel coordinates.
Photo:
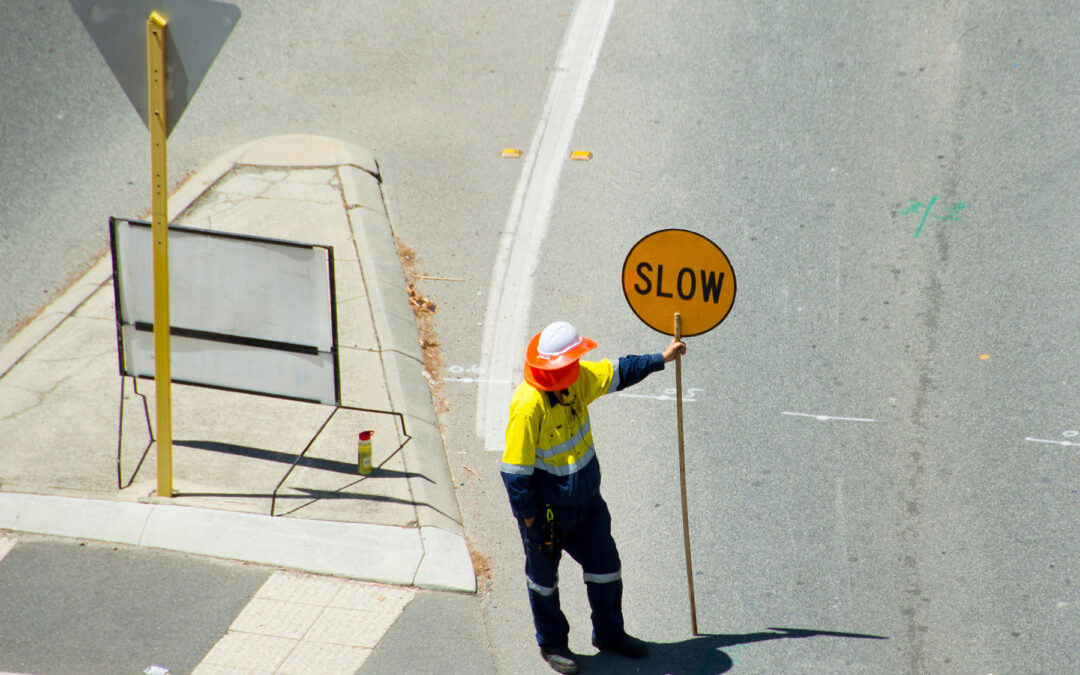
(473, 370)
(510, 295)
(6, 544)
(1069, 433)
(468, 372)
(474, 380)
(1043, 440)
(668, 395)
(825, 418)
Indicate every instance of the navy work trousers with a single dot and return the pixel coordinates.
(586, 536)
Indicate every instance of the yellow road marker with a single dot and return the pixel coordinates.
(581, 155)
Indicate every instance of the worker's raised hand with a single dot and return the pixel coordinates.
(675, 347)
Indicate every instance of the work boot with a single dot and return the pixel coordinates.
(627, 646)
(561, 659)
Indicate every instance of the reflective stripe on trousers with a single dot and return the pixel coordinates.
(602, 578)
(546, 591)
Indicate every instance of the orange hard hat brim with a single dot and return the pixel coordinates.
(552, 380)
(536, 360)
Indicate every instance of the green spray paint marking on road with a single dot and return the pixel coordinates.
(913, 207)
(925, 214)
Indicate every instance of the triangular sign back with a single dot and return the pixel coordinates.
(194, 35)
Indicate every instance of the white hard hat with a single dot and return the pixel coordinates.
(557, 338)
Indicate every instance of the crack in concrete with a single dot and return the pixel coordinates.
(42, 394)
(72, 359)
(39, 396)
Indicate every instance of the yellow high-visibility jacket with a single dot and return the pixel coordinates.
(549, 456)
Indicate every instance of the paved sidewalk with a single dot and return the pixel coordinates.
(300, 623)
(65, 471)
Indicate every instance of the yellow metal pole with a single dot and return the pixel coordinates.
(682, 478)
(155, 68)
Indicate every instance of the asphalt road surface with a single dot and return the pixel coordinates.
(85, 607)
(881, 437)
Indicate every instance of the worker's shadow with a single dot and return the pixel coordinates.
(702, 655)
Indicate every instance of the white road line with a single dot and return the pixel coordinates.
(510, 294)
(1042, 440)
(668, 395)
(474, 380)
(824, 418)
(6, 544)
(661, 397)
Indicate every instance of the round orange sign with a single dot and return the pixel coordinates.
(680, 271)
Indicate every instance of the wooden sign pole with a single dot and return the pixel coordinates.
(682, 477)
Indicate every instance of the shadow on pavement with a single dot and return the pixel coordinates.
(298, 497)
(348, 468)
(702, 655)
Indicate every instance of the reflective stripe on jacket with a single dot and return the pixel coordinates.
(549, 455)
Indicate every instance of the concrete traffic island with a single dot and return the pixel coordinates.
(74, 466)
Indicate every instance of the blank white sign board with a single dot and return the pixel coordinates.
(247, 313)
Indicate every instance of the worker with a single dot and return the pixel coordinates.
(552, 477)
